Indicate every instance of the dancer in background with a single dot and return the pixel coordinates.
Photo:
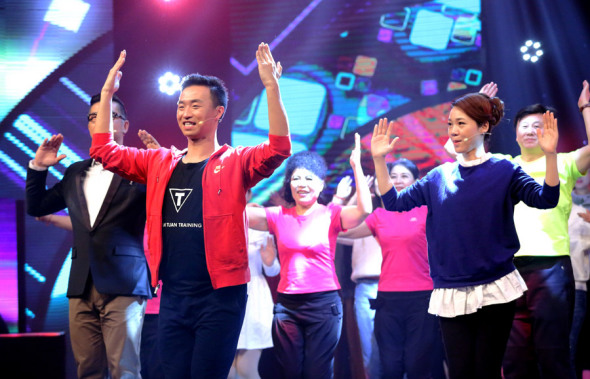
(539, 343)
(308, 315)
(579, 233)
(366, 267)
(408, 336)
(470, 231)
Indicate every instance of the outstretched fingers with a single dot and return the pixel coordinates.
(585, 94)
(381, 142)
(549, 122)
(120, 61)
(269, 71)
(490, 89)
(549, 134)
(355, 155)
(115, 74)
(54, 142)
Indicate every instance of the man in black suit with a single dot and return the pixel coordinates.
(108, 284)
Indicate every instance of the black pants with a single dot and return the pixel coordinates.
(151, 368)
(539, 340)
(407, 335)
(305, 331)
(198, 335)
(475, 343)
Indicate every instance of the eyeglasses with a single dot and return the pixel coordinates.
(92, 116)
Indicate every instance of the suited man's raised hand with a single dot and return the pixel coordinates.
(46, 154)
(148, 140)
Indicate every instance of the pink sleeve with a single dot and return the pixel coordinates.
(335, 211)
(371, 221)
(272, 214)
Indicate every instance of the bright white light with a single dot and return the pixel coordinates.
(531, 51)
(169, 83)
(67, 14)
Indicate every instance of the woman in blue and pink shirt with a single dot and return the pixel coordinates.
(308, 314)
(407, 335)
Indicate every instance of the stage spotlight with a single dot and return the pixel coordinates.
(169, 83)
(531, 51)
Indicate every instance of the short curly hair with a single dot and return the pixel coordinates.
(309, 160)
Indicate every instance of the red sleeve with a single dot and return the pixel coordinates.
(259, 162)
(128, 162)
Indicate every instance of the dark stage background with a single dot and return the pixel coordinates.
(346, 63)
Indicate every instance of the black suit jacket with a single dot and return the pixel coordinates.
(111, 250)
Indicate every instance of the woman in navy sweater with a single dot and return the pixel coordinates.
(470, 230)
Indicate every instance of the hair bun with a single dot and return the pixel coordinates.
(497, 110)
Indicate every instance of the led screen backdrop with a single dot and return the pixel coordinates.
(47, 76)
(348, 63)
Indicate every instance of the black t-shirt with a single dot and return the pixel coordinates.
(184, 267)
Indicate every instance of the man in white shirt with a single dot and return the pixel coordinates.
(109, 278)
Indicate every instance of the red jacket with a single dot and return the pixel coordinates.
(229, 173)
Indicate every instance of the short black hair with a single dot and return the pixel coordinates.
(309, 160)
(216, 86)
(96, 98)
(531, 109)
(411, 166)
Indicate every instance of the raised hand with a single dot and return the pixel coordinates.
(269, 71)
(585, 215)
(46, 154)
(548, 135)
(344, 188)
(370, 180)
(268, 253)
(111, 85)
(584, 95)
(381, 142)
(355, 154)
(148, 140)
(490, 89)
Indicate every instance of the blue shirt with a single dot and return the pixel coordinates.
(470, 226)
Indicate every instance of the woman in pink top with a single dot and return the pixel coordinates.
(407, 335)
(308, 315)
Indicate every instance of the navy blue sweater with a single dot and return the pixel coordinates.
(470, 226)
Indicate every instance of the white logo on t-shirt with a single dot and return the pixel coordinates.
(179, 196)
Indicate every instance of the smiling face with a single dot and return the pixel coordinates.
(465, 134)
(526, 131)
(196, 113)
(401, 177)
(305, 187)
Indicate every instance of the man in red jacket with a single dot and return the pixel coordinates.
(195, 216)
